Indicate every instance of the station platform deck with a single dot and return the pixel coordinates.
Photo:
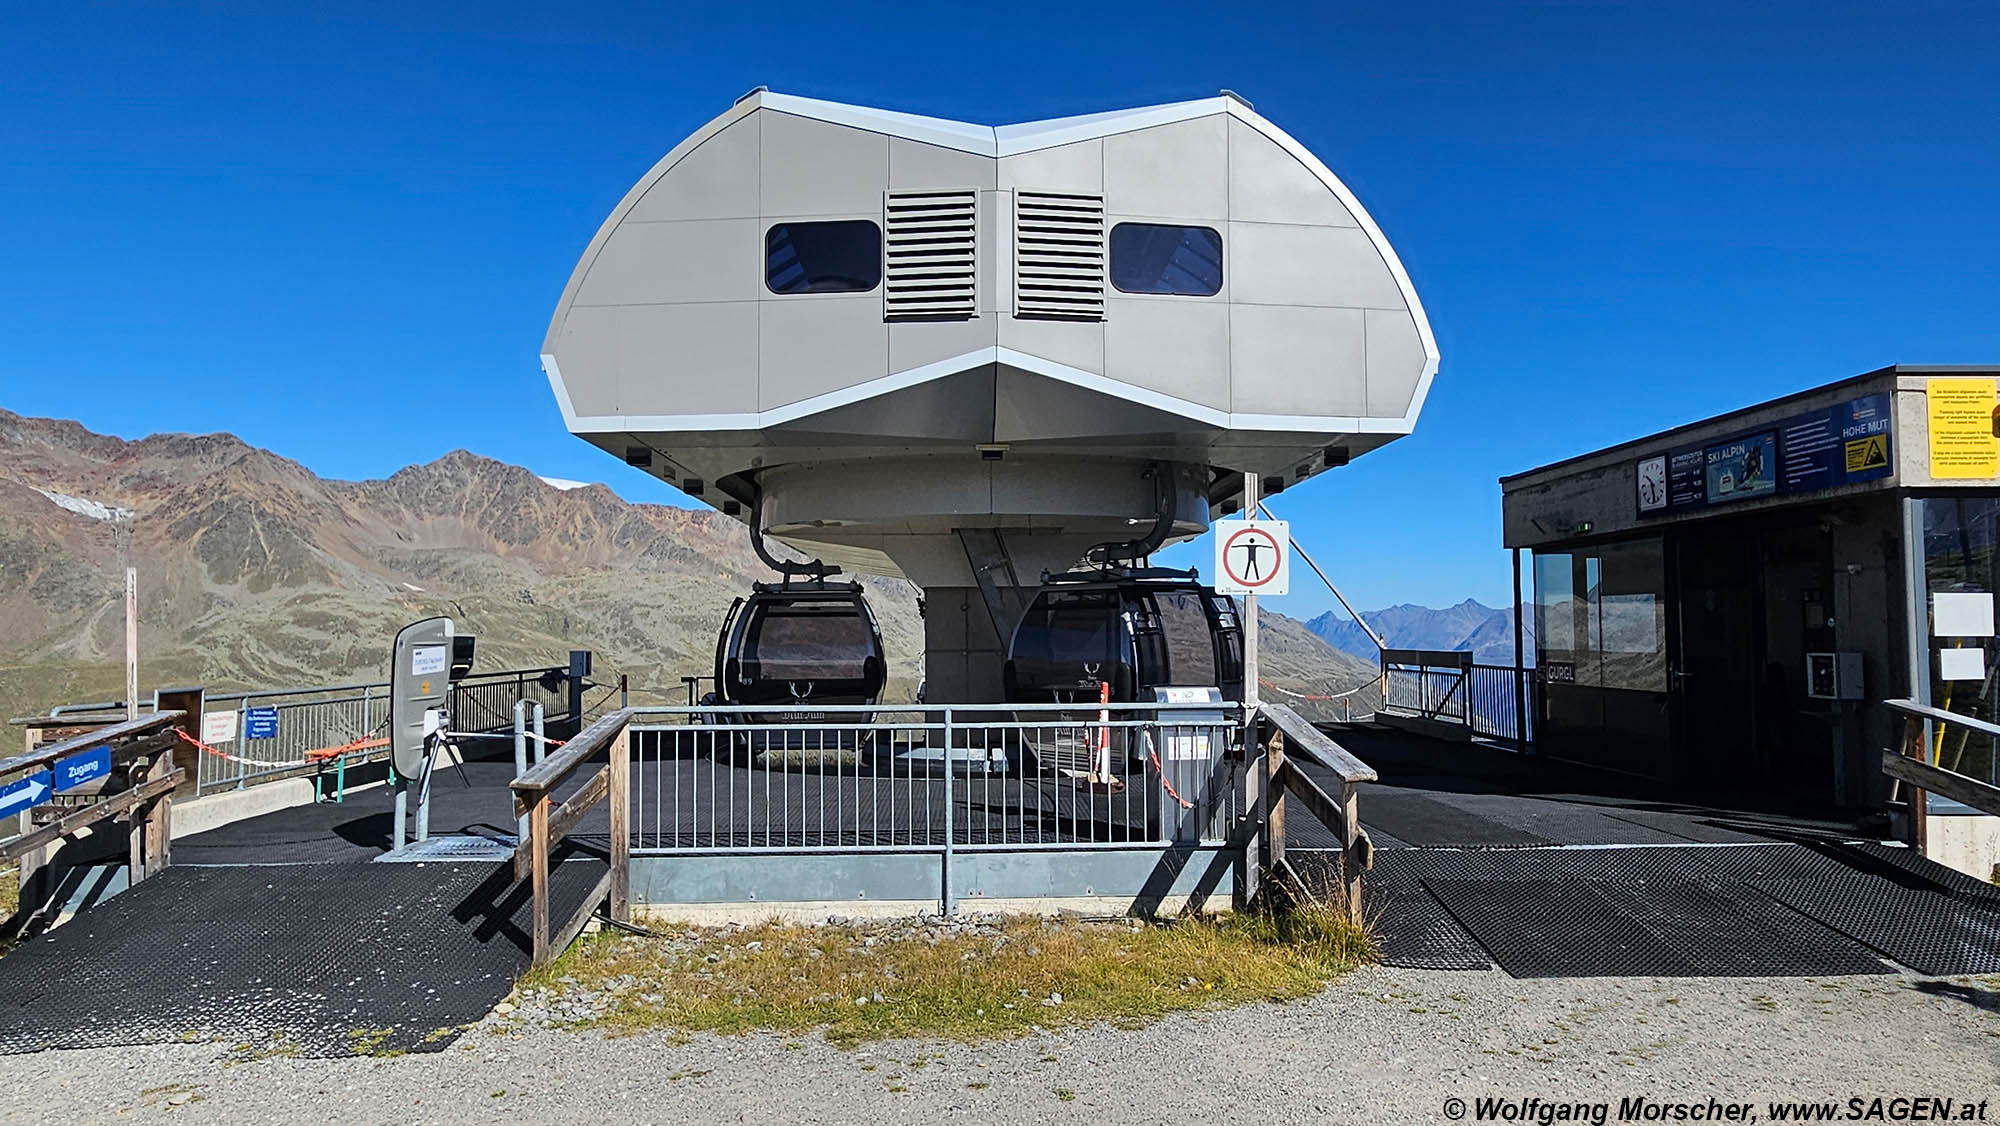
(279, 930)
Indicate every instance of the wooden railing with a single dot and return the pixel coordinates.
(549, 822)
(1291, 738)
(137, 787)
(1922, 779)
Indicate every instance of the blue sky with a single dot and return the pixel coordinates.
(297, 223)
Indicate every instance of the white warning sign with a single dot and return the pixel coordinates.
(1253, 556)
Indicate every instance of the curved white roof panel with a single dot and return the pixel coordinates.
(1271, 321)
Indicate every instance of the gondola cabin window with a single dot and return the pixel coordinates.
(1066, 645)
(1189, 644)
(810, 643)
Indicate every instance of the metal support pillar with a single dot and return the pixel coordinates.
(402, 813)
(1250, 484)
(520, 761)
(1520, 668)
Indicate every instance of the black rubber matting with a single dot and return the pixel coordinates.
(321, 960)
(1675, 928)
(1411, 929)
(1779, 909)
(1422, 821)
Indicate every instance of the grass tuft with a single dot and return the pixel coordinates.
(904, 980)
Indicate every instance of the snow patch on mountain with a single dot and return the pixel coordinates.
(95, 510)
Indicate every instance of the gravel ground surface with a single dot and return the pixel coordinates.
(1381, 1046)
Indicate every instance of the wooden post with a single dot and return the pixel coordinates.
(131, 643)
(1914, 744)
(135, 835)
(159, 817)
(620, 767)
(538, 875)
(1351, 860)
(1274, 801)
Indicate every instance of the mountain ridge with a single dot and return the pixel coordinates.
(257, 573)
(1472, 625)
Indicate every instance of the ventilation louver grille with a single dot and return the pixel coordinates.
(930, 238)
(1059, 256)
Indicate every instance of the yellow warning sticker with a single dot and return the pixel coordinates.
(1867, 453)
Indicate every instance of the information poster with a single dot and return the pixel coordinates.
(1840, 445)
(1742, 469)
(1961, 417)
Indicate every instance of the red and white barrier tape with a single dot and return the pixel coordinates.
(1162, 772)
(1305, 696)
(324, 752)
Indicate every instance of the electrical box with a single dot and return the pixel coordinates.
(1833, 676)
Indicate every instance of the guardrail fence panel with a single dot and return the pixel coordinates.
(971, 777)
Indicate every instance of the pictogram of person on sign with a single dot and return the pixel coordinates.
(1251, 547)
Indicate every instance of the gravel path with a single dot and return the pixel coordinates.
(1381, 1046)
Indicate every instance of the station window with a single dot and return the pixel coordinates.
(1962, 559)
(1156, 258)
(1600, 616)
(842, 256)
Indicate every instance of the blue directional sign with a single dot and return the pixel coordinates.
(81, 770)
(24, 793)
(260, 723)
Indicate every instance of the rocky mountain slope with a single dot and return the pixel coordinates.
(256, 573)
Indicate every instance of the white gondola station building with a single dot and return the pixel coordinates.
(964, 354)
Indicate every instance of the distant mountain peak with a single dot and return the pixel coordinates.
(1470, 624)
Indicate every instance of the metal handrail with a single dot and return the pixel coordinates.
(793, 709)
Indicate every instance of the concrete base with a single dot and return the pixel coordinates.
(815, 913)
(212, 811)
(1432, 728)
(1969, 843)
(806, 886)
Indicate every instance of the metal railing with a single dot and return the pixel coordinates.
(1493, 702)
(1447, 686)
(314, 721)
(1428, 683)
(965, 777)
(350, 718)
